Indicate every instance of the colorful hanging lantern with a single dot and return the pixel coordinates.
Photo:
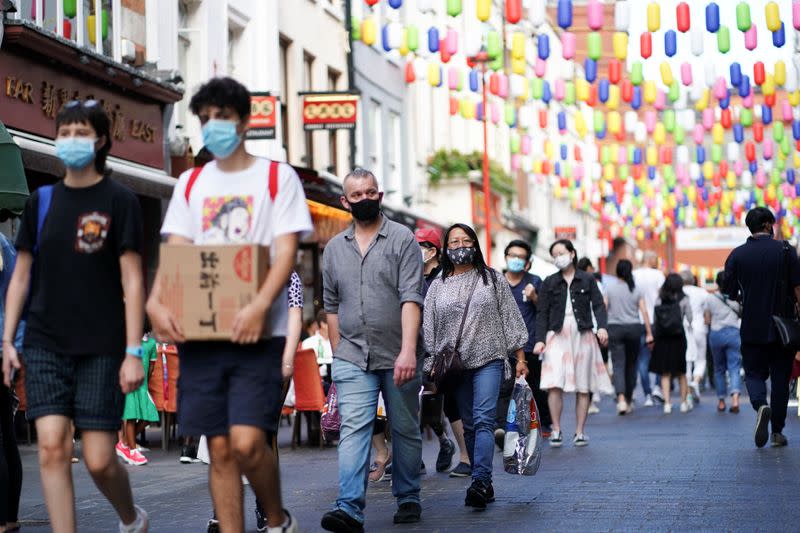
(564, 14)
(653, 17)
(371, 3)
(779, 37)
(483, 9)
(751, 38)
(513, 11)
(697, 38)
(412, 38)
(620, 45)
(646, 45)
(614, 71)
(622, 18)
(594, 12)
(683, 16)
(723, 39)
(773, 15)
(568, 45)
(369, 31)
(536, 12)
(743, 21)
(454, 8)
(670, 43)
(594, 45)
(543, 46)
(433, 39)
(712, 17)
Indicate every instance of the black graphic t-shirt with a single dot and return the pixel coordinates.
(76, 303)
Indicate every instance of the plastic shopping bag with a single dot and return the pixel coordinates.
(522, 452)
(331, 420)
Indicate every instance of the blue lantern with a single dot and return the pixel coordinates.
(602, 90)
(385, 38)
(736, 74)
(701, 155)
(712, 17)
(744, 87)
(547, 94)
(473, 80)
(565, 13)
(796, 130)
(738, 133)
(543, 46)
(725, 102)
(636, 101)
(670, 43)
(433, 39)
(562, 126)
(779, 37)
(651, 173)
(766, 114)
(590, 69)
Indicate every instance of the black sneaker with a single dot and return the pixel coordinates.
(213, 526)
(462, 470)
(261, 521)
(189, 455)
(762, 425)
(479, 494)
(341, 522)
(408, 513)
(446, 452)
(778, 440)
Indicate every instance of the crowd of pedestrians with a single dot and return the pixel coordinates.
(402, 312)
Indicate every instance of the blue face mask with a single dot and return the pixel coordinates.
(220, 137)
(75, 152)
(516, 265)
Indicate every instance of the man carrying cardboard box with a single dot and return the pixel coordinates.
(230, 390)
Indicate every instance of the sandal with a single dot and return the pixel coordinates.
(721, 406)
(378, 471)
(734, 409)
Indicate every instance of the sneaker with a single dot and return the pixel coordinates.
(657, 395)
(622, 407)
(648, 401)
(408, 513)
(189, 455)
(213, 526)
(667, 408)
(142, 449)
(500, 437)
(479, 494)
(778, 440)
(556, 440)
(341, 522)
(761, 435)
(140, 525)
(137, 459)
(547, 431)
(631, 406)
(580, 440)
(461, 470)
(261, 521)
(446, 452)
(387, 472)
(422, 469)
(593, 408)
(695, 392)
(686, 406)
(122, 451)
(289, 525)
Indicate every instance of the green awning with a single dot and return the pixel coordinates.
(13, 185)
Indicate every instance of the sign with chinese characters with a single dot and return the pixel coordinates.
(32, 94)
(206, 286)
(569, 233)
(263, 117)
(329, 111)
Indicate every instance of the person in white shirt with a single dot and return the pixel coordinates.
(650, 280)
(226, 386)
(320, 342)
(696, 335)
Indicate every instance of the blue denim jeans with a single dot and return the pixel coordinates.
(644, 367)
(358, 405)
(726, 347)
(478, 390)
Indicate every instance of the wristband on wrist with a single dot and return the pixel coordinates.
(135, 351)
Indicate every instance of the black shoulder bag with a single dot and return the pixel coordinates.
(447, 363)
(788, 328)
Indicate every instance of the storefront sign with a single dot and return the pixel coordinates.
(263, 117)
(32, 94)
(329, 111)
(710, 238)
(569, 233)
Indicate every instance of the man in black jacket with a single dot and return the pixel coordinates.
(764, 274)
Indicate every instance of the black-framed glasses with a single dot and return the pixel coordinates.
(81, 103)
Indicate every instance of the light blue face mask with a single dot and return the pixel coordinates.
(516, 265)
(75, 152)
(220, 137)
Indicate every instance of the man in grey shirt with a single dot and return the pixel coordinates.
(373, 286)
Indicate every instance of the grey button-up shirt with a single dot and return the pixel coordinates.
(367, 293)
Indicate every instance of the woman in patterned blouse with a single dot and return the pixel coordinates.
(493, 329)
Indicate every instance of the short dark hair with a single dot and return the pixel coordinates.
(93, 114)
(584, 263)
(518, 243)
(720, 278)
(617, 244)
(758, 218)
(222, 92)
(570, 248)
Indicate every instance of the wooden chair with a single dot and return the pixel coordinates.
(309, 394)
(165, 391)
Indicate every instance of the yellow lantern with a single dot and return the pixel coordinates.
(780, 72)
(483, 10)
(653, 17)
(537, 167)
(620, 45)
(794, 97)
(434, 74)
(582, 90)
(548, 149)
(731, 180)
(580, 125)
(666, 73)
(702, 102)
(650, 92)
(609, 172)
(518, 66)
(768, 87)
(708, 170)
(660, 134)
(404, 43)
(613, 97)
(718, 133)
(518, 45)
(369, 31)
(651, 156)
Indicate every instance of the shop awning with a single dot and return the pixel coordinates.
(13, 186)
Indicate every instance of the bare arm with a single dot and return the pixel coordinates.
(646, 317)
(15, 301)
(165, 326)
(131, 373)
(405, 367)
(292, 339)
(707, 316)
(333, 330)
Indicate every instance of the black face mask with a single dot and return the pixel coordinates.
(366, 210)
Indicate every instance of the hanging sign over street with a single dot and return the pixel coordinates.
(329, 111)
(263, 117)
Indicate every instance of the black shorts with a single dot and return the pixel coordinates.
(222, 384)
(84, 388)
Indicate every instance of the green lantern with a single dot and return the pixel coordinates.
(723, 39)
(746, 117)
(637, 76)
(412, 37)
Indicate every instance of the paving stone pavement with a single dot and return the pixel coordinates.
(644, 472)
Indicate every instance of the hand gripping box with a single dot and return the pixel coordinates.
(206, 285)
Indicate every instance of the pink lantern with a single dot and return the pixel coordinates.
(786, 109)
(698, 134)
(708, 118)
(525, 144)
(751, 38)
(768, 149)
(622, 155)
(686, 74)
(451, 41)
(761, 180)
(540, 67)
(720, 88)
(502, 90)
(568, 45)
(650, 121)
(796, 14)
(661, 100)
(748, 101)
(515, 161)
(595, 14)
(452, 78)
(738, 167)
(560, 89)
(494, 112)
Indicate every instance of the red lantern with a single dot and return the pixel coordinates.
(759, 74)
(620, 135)
(371, 3)
(592, 101)
(769, 99)
(494, 83)
(67, 29)
(453, 105)
(614, 71)
(627, 91)
(750, 151)
(725, 118)
(471, 62)
(411, 76)
(577, 153)
(701, 204)
(717, 181)
(646, 44)
(444, 53)
(543, 118)
(513, 11)
(723, 168)
(545, 167)
(684, 17)
(758, 131)
(666, 155)
(637, 172)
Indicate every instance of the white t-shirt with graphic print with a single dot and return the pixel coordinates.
(235, 207)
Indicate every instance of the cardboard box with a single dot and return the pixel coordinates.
(205, 286)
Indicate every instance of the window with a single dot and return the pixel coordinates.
(333, 83)
(308, 84)
(394, 154)
(375, 136)
(284, 60)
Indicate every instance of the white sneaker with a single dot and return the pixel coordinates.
(622, 407)
(593, 409)
(667, 408)
(630, 406)
(556, 440)
(290, 526)
(686, 407)
(648, 401)
(140, 525)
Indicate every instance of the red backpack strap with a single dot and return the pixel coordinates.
(192, 179)
(273, 180)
